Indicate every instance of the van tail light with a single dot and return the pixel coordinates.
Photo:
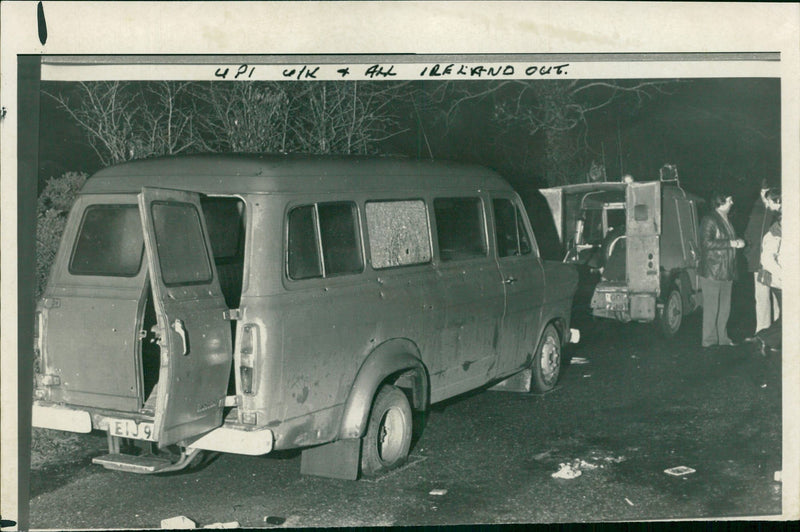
(247, 358)
(246, 375)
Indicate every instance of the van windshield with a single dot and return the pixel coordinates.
(109, 242)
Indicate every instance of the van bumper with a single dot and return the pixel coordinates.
(61, 418)
(231, 439)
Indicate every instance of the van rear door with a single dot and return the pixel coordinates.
(643, 227)
(194, 336)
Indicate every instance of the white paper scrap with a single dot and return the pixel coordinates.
(679, 471)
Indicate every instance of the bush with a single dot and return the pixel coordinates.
(52, 209)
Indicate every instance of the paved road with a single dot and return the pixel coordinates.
(638, 406)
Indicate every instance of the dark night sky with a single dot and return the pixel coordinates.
(722, 133)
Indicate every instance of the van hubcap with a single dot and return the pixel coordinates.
(673, 311)
(390, 435)
(551, 358)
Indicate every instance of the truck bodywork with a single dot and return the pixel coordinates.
(636, 243)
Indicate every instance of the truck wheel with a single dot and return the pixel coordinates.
(385, 445)
(671, 316)
(547, 361)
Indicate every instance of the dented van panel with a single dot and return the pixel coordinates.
(278, 298)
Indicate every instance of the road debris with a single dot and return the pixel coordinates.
(679, 471)
(778, 476)
(178, 522)
(567, 472)
(438, 491)
(541, 456)
(629, 501)
(231, 524)
(587, 375)
(579, 360)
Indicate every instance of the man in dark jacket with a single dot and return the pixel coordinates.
(718, 245)
(761, 219)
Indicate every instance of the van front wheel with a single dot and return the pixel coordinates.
(385, 445)
(547, 361)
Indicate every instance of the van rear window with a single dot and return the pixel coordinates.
(181, 244)
(109, 242)
(460, 228)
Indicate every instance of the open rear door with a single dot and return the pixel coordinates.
(195, 338)
(554, 198)
(643, 227)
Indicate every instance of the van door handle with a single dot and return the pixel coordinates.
(177, 325)
(510, 280)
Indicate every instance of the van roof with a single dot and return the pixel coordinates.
(254, 173)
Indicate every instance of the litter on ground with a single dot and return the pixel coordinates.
(579, 360)
(438, 492)
(178, 522)
(629, 501)
(567, 472)
(778, 476)
(679, 471)
(542, 456)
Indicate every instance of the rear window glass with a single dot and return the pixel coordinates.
(398, 233)
(181, 244)
(330, 227)
(109, 242)
(460, 228)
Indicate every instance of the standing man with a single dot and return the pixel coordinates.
(761, 219)
(718, 245)
(771, 274)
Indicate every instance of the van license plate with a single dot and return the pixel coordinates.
(128, 428)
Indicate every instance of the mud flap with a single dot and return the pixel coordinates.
(519, 382)
(340, 459)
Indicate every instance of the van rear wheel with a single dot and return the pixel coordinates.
(387, 441)
(670, 317)
(547, 361)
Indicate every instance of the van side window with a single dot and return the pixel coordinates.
(225, 223)
(181, 244)
(460, 228)
(109, 242)
(512, 237)
(331, 227)
(399, 234)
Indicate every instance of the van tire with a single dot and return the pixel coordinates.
(670, 317)
(387, 441)
(547, 361)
